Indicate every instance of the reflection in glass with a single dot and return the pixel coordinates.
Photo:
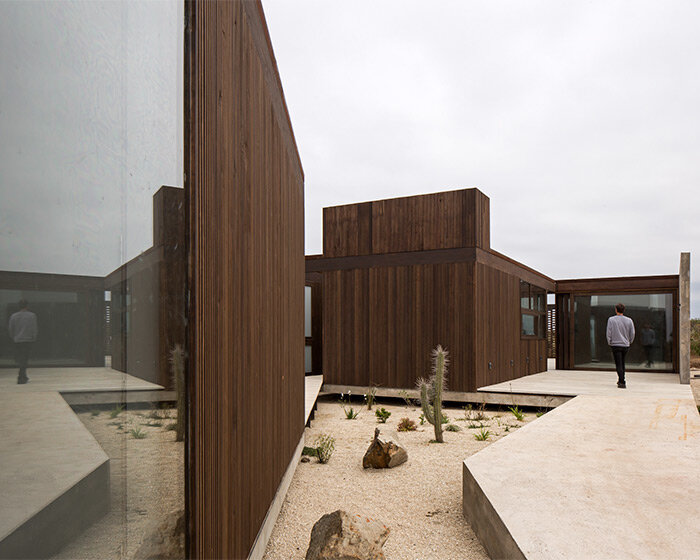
(91, 130)
(528, 325)
(653, 319)
(307, 312)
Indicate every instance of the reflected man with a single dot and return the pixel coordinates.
(23, 330)
(648, 337)
(620, 334)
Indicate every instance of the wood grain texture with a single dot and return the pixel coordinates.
(417, 223)
(245, 223)
(619, 285)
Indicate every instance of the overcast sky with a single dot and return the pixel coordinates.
(580, 120)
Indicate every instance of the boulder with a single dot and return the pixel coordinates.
(383, 454)
(341, 536)
(165, 540)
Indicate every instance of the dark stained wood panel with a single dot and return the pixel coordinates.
(245, 227)
(347, 230)
(444, 220)
(380, 324)
(620, 285)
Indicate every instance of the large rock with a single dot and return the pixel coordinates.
(166, 540)
(383, 454)
(340, 536)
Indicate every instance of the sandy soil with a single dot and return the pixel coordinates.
(146, 481)
(420, 501)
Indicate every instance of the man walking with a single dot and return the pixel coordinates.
(23, 330)
(620, 334)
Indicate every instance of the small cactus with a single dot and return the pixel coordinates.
(431, 391)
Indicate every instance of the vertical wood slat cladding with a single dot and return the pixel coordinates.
(244, 192)
(380, 324)
(433, 221)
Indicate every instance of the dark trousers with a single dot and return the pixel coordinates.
(619, 353)
(22, 351)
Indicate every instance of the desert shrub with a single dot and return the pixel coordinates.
(382, 415)
(452, 428)
(325, 445)
(482, 435)
(406, 425)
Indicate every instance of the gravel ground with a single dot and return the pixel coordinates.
(146, 481)
(420, 501)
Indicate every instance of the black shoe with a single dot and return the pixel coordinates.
(621, 385)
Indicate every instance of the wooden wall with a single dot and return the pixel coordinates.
(380, 324)
(403, 275)
(244, 193)
(444, 220)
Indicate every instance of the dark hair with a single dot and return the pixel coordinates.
(620, 308)
(23, 303)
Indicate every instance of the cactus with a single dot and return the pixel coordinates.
(177, 362)
(431, 391)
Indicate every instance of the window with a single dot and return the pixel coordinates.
(533, 311)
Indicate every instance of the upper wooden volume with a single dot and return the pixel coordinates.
(445, 220)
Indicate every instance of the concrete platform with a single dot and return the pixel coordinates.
(600, 477)
(571, 383)
(73, 380)
(54, 476)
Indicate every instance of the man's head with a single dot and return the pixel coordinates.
(23, 304)
(620, 308)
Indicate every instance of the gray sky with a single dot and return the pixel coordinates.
(580, 120)
(90, 128)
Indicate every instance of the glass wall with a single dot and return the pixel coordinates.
(92, 312)
(652, 314)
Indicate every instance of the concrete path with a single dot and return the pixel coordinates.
(600, 477)
(576, 382)
(73, 380)
(54, 476)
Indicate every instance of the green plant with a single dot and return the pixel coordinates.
(94, 413)
(421, 419)
(453, 428)
(349, 411)
(431, 391)
(474, 426)
(506, 429)
(325, 444)
(116, 411)
(517, 413)
(137, 433)
(382, 415)
(309, 451)
(153, 424)
(172, 427)
(482, 435)
(177, 365)
(541, 413)
(370, 397)
(406, 425)
(445, 419)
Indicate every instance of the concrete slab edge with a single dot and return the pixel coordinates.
(496, 398)
(485, 521)
(54, 526)
(258, 549)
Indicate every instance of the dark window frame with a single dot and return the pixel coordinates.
(534, 295)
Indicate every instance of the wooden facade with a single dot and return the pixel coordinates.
(400, 276)
(245, 226)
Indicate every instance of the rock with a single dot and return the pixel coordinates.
(165, 540)
(383, 454)
(341, 536)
